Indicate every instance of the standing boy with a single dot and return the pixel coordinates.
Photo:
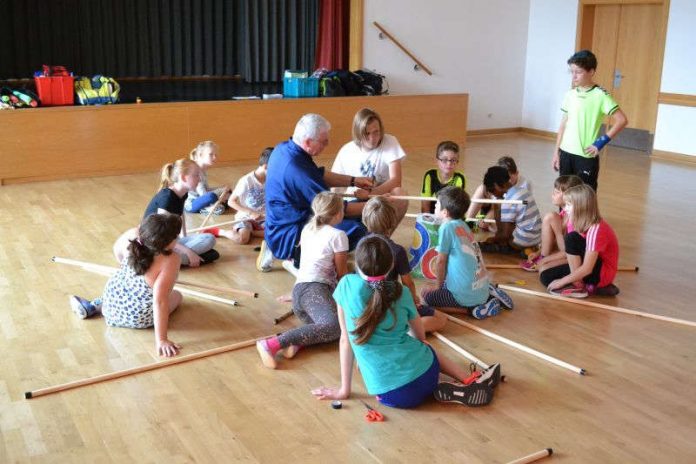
(584, 107)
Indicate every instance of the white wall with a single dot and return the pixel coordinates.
(552, 28)
(675, 124)
(551, 41)
(475, 47)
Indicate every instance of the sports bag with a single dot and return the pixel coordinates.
(373, 83)
(99, 90)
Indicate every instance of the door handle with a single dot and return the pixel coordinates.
(617, 78)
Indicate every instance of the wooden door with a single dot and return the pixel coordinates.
(628, 40)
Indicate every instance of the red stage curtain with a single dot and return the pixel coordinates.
(332, 38)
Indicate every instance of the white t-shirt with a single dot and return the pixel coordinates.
(353, 161)
(251, 195)
(318, 249)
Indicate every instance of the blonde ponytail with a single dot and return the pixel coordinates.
(326, 205)
(172, 172)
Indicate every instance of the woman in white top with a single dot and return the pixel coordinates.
(373, 154)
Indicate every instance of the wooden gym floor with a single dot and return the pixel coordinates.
(636, 404)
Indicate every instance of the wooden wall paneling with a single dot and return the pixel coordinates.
(55, 143)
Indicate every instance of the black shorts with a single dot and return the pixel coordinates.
(586, 169)
(576, 245)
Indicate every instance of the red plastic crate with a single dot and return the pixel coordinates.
(55, 90)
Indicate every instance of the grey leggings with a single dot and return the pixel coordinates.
(313, 304)
(198, 243)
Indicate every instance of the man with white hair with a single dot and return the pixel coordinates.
(292, 181)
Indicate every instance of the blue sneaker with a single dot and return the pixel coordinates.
(83, 308)
(501, 296)
(487, 309)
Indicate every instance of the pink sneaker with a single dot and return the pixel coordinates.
(570, 291)
(531, 265)
(267, 358)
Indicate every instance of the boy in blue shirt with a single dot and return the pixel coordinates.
(463, 285)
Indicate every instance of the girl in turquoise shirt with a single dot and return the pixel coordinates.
(375, 315)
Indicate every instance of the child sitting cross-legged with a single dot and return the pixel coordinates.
(554, 227)
(203, 197)
(248, 199)
(375, 315)
(380, 218)
(463, 285)
(591, 248)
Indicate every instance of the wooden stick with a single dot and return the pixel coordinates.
(519, 346)
(205, 296)
(139, 369)
(517, 266)
(599, 305)
(533, 457)
(490, 221)
(282, 317)
(212, 210)
(108, 270)
(460, 350)
(403, 49)
(225, 223)
(219, 289)
(481, 200)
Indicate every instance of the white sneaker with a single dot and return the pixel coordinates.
(264, 262)
(290, 267)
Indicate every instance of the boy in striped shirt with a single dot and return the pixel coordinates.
(518, 226)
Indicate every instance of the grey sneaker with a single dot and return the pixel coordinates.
(490, 376)
(474, 394)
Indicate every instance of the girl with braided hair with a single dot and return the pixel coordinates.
(141, 293)
(375, 315)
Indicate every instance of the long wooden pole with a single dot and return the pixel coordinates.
(218, 288)
(282, 317)
(212, 209)
(592, 304)
(108, 270)
(517, 266)
(478, 200)
(139, 369)
(460, 350)
(225, 223)
(519, 346)
(490, 221)
(533, 457)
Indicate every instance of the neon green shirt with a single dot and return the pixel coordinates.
(585, 111)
